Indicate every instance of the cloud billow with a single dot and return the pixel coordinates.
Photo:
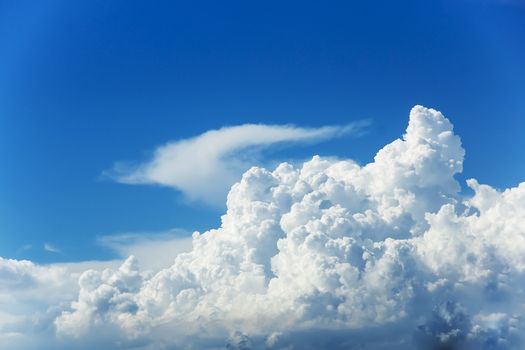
(331, 255)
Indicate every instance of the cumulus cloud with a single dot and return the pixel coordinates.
(31, 296)
(204, 167)
(331, 255)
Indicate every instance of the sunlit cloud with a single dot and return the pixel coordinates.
(328, 254)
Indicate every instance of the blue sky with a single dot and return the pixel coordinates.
(86, 84)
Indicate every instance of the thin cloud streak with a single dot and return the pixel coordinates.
(153, 250)
(204, 167)
(48, 247)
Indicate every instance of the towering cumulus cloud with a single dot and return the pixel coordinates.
(331, 255)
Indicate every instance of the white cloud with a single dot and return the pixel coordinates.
(329, 255)
(204, 167)
(48, 247)
(30, 298)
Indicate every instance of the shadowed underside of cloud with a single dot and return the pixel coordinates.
(203, 168)
(328, 255)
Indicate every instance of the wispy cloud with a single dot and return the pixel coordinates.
(153, 250)
(204, 167)
(48, 247)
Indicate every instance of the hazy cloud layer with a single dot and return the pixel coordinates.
(153, 250)
(204, 167)
(328, 255)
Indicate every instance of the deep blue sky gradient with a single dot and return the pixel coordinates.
(86, 83)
